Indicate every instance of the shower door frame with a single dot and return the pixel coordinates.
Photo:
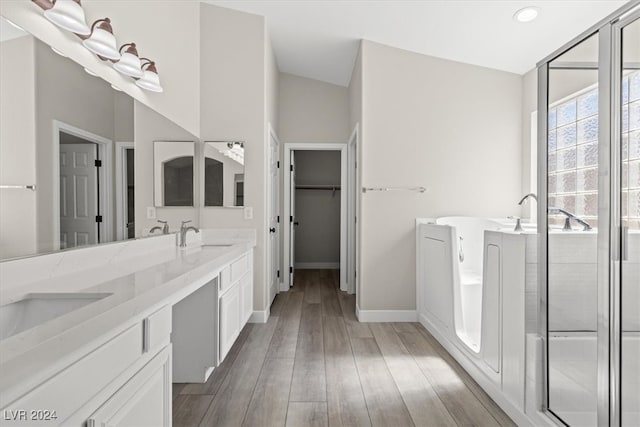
(609, 32)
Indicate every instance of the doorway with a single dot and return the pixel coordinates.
(79, 192)
(327, 193)
(125, 190)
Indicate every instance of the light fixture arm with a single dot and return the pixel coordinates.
(131, 48)
(105, 25)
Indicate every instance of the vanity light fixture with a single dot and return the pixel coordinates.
(69, 15)
(129, 63)
(150, 79)
(526, 14)
(102, 41)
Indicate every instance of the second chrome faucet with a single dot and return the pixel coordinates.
(183, 233)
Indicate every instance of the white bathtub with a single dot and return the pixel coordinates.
(468, 261)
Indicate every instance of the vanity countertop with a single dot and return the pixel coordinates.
(134, 294)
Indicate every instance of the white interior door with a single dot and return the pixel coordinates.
(292, 219)
(274, 217)
(78, 195)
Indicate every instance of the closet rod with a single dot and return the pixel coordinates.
(318, 187)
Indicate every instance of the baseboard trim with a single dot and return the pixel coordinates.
(373, 316)
(283, 287)
(259, 316)
(317, 265)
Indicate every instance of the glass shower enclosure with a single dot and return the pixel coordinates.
(589, 224)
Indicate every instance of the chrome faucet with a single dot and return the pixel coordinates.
(532, 195)
(569, 216)
(183, 233)
(164, 228)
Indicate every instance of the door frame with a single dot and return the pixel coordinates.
(353, 211)
(319, 146)
(271, 133)
(121, 193)
(105, 150)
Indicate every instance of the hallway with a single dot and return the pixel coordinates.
(313, 364)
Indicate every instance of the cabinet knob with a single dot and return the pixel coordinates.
(272, 230)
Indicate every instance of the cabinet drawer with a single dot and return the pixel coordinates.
(78, 383)
(157, 328)
(233, 272)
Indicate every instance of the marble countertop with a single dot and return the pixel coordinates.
(138, 286)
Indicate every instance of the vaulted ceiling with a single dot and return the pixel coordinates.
(319, 39)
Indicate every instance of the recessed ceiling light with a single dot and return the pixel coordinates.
(58, 52)
(91, 73)
(526, 14)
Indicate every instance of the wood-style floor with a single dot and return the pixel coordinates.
(313, 364)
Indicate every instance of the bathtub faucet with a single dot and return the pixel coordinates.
(569, 216)
(526, 197)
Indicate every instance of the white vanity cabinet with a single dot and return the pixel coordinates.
(125, 379)
(144, 401)
(235, 301)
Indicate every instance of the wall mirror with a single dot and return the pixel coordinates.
(75, 153)
(173, 173)
(224, 173)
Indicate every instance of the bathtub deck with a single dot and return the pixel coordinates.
(314, 364)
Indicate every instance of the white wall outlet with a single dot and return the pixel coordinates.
(151, 212)
(248, 212)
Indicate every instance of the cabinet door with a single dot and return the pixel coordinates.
(145, 400)
(246, 298)
(229, 319)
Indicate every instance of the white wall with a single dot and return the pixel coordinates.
(451, 127)
(312, 111)
(17, 142)
(149, 127)
(168, 33)
(317, 211)
(237, 95)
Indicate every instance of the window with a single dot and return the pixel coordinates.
(573, 154)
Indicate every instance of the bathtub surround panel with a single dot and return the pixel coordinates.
(423, 125)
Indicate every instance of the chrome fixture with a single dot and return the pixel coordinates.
(183, 233)
(417, 189)
(164, 228)
(518, 227)
(569, 216)
(532, 195)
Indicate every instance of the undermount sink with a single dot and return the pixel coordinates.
(38, 308)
